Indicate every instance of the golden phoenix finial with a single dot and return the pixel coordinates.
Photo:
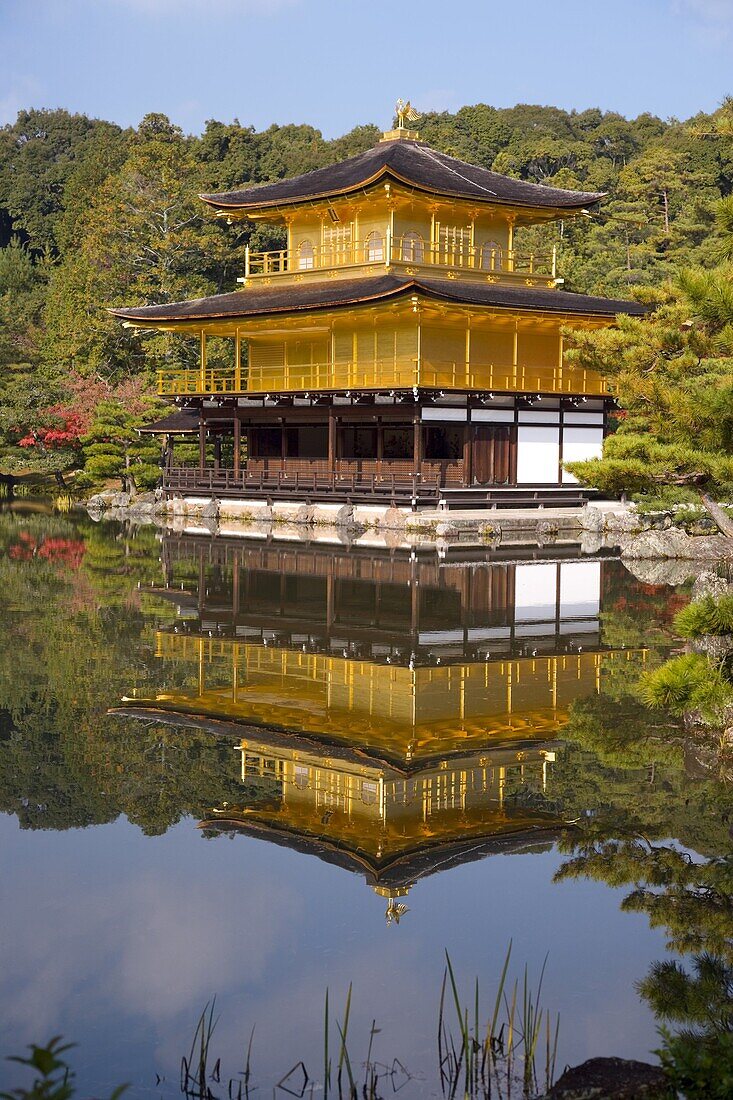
(395, 911)
(405, 113)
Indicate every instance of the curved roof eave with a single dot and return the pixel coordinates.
(218, 202)
(242, 304)
(412, 163)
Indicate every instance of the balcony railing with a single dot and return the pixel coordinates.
(486, 259)
(380, 374)
(390, 481)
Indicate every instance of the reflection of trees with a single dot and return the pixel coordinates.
(649, 822)
(78, 633)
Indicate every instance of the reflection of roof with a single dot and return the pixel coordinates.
(312, 741)
(404, 868)
(411, 162)
(178, 423)
(348, 292)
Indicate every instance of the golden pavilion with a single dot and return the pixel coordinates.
(394, 716)
(400, 348)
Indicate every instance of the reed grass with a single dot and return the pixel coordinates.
(496, 1056)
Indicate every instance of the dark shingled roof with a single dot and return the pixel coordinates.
(309, 296)
(178, 423)
(410, 162)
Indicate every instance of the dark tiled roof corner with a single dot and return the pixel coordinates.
(413, 162)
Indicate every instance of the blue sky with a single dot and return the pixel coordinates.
(338, 63)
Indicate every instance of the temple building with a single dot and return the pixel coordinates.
(399, 348)
(387, 714)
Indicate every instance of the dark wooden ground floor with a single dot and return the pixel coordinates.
(510, 453)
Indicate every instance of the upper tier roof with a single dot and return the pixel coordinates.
(305, 297)
(413, 163)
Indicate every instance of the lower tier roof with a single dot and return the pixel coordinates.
(336, 293)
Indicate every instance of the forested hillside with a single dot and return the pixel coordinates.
(92, 215)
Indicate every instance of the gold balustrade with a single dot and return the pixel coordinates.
(354, 700)
(380, 374)
(387, 250)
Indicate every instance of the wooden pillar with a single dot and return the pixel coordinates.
(217, 452)
(332, 429)
(329, 600)
(467, 453)
(237, 445)
(202, 584)
(235, 588)
(202, 441)
(417, 443)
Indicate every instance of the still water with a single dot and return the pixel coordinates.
(261, 770)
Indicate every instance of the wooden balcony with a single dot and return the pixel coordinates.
(380, 375)
(302, 478)
(402, 253)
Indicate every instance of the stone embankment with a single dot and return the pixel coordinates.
(643, 544)
(588, 528)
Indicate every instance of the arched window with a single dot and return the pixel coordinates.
(491, 256)
(305, 256)
(375, 248)
(413, 249)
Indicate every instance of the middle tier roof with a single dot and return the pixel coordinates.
(343, 293)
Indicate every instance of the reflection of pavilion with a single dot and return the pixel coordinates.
(393, 716)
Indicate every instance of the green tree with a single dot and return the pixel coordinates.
(145, 238)
(114, 448)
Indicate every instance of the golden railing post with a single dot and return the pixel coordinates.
(202, 363)
(554, 261)
(237, 362)
(246, 261)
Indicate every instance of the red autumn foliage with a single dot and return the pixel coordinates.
(67, 552)
(63, 425)
(66, 432)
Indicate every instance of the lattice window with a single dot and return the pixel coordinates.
(375, 248)
(337, 244)
(454, 242)
(265, 354)
(413, 248)
(306, 256)
(491, 256)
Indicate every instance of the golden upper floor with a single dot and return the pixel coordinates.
(399, 343)
(400, 206)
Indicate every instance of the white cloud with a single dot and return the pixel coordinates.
(159, 964)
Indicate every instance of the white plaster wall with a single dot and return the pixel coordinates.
(578, 445)
(538, 455)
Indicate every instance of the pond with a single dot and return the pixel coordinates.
(260, 770)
